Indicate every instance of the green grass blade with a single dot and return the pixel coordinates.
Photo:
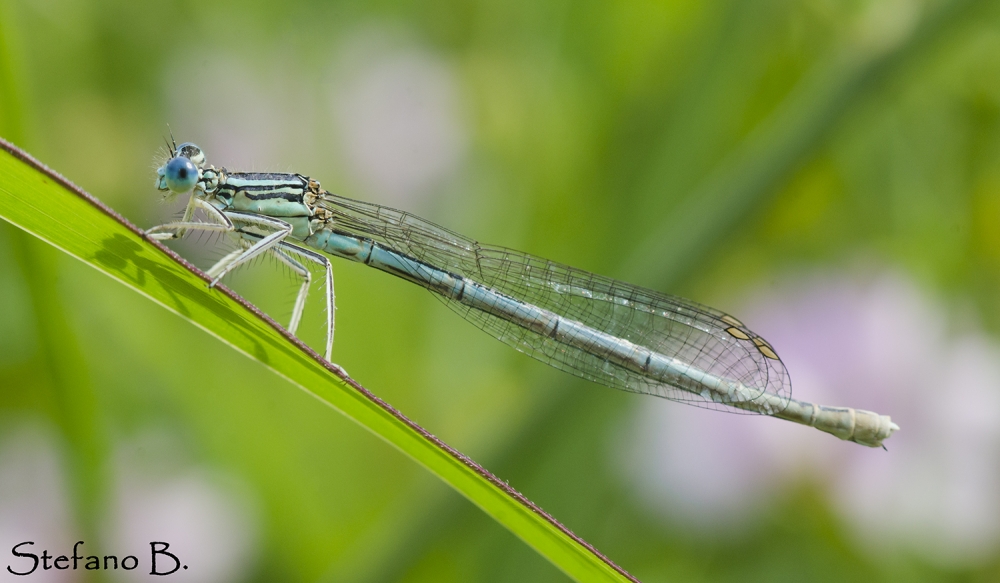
(44, 204)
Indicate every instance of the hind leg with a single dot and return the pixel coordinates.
(331, 304)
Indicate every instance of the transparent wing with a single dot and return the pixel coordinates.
(705, 338)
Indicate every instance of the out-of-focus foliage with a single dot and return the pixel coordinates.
(716, 150)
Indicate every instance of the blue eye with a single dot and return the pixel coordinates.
(181, 174)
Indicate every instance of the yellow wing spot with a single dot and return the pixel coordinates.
(732, 321)
(765, 348)
(737, 333)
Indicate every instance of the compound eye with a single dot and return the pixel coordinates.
(181, 174)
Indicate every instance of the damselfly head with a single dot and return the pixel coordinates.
(181, 173)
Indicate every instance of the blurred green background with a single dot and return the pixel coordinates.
(826, 171)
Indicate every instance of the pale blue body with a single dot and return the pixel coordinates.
(597, 328)
(282, 196)
(617, 350)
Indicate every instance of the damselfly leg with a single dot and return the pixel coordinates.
(254, 245)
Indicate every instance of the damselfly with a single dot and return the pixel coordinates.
(607, 331)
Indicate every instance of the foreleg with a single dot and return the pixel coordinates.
(160, 232)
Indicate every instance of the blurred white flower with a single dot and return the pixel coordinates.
(399, 115)
(879, 345)
(33, 502)
(207, 519)
(249, 115)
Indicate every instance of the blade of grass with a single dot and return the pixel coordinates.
(46, 205)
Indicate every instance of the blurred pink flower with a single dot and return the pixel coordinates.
(246, 114)
(877, 344)
(399, 115)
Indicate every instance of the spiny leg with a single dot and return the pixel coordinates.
(224, 265)
(225, 223)
(185, 223)
(158, 233)
(188, 214)
(331, 302)
(266, 243)
(225, 261)
(287, 249)
(248, 239)
(263, 244)
(222, 222)
(244, 240)
(300, 300)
